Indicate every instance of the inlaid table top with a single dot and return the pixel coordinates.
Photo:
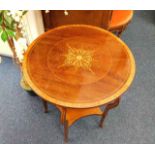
(79, 66)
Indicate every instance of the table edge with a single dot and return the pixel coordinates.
(80, 105)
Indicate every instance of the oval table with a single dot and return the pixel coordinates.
(79, 68)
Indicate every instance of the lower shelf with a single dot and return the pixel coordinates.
(73, 115)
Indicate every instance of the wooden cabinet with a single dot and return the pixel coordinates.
(56, 18)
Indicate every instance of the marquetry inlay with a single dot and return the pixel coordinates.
(78, 58)
(79, 66)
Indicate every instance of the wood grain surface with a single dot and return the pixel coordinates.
(79, 66)
(56, 18)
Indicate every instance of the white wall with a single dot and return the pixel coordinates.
(34, 24)
(34, 27)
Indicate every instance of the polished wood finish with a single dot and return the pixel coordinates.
(70, 115)
(112, 20)
(56, 18)
(73, 114)
(79, 68)
(119, 20)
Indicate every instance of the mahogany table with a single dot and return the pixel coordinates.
(79, 68)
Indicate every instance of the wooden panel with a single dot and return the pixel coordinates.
(79, 66)
(56, 18)
(120, 18)
(73, 115)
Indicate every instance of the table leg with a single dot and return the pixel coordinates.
(107, 108)
(65, 126)
(71, 115)
(45, 104)
(121, 31)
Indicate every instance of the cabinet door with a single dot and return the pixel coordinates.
(56, 18)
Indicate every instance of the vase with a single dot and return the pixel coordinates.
(26, 87)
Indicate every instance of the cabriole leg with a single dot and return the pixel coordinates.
(106, 110)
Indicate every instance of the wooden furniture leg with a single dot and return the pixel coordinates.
(45, 105)
(119, 33)
(107, 108)
(121, 30)
(71, 115)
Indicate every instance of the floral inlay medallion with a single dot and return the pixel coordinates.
(78, 58)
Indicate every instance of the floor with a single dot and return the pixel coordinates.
(22, 119)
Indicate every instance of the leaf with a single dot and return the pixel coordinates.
(8, 21)
(9, 25)
(24, 12)
(4, 36)
(1, 29)
(10, 33)
(1, 20)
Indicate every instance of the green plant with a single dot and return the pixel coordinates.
(9, 23)
(11, 30)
